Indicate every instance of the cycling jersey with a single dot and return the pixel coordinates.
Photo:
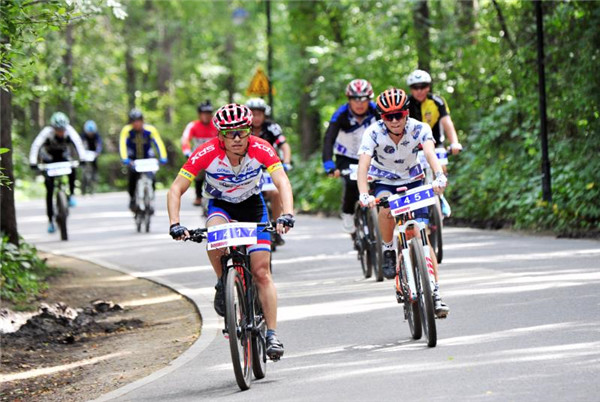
(272, 133)
(195, 134)
(51, 148)
(93, 143)
(391, 163)
(344, 133)
(138, 144)
(224, 181)
(431, 112)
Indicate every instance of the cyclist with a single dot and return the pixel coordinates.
(272, 133)
(54, 144)
(196, 133)
(342, 139)
(233, 162)
(433, 110)
(135, 142)
(92, 142)
(388, 153)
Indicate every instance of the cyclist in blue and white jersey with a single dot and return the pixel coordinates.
(388, 153)
(343, 138)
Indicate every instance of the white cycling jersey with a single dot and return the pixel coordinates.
(395, 164)
(47, 138)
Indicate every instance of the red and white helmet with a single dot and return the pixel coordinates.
(232, 116)
(359, 88)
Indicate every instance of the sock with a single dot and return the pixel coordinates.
(388, 246)
(271, 332)
(436, 288)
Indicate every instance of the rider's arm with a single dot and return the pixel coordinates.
(282, 183)
(158, 143)
(179, 186)
(287, 152)
(440, 179)
(38, 143)
(186, 148)
(123, 137)
(330, 137)
(76, 139)
(98, 143)
(450, 131)
(364, 161)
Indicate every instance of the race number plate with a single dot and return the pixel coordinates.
(89, 156)
(58, 169)
(441, 154)
(416, 198)
(145, 165)
(231, 234)
(266, 182)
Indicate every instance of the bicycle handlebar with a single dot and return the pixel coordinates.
(198, 235)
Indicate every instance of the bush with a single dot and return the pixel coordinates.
(23, 273)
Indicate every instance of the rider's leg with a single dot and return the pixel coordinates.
(267, 293)
(49, 183)
(132, 178)
(215, 255)
(72, 178)
(349, 198)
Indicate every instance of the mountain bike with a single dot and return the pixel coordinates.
(436, 218)
(144, 192)
(88, 174)
(367, 238)
(60, 171)
(415, 280)
(245, 324)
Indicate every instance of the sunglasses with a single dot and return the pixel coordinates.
(397, 115)
(359, 98)
(231, 134)
(419, 86)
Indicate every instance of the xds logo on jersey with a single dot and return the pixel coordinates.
(265, 148)
(202, 153)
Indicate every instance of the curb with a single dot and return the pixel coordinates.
(209, 329)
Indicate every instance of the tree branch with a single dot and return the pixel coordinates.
(502, 22)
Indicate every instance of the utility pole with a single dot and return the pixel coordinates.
(546, 179)
(269, 55)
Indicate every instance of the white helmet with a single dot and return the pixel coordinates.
(418, 77)
(258, 104)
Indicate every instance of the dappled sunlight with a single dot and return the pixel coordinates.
(342, 307)
(56, 369)
(503, 258)
(465, 245)
(318, 257)
(152, 300)
(172, 271)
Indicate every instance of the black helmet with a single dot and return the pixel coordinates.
(205, 106)
(135, 114)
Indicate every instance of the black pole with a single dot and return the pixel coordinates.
(269, 55)
(546, 179)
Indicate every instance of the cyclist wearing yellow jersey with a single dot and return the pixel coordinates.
(137, 141)
(433, 110)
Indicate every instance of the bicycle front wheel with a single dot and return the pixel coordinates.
(62, 204)
(147, 209)
(435, 229)
(424, 291)
(375, 244)
(259, 339)
(361, 241)
(236, 312)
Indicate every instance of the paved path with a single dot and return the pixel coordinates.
(524, 321)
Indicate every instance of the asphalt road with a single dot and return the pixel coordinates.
(524, 321)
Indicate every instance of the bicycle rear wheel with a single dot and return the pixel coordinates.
(259, 338)
(435, 229)
(375, 244)
(424, 291)
(236, 312)
(62, 206)
(361, 241)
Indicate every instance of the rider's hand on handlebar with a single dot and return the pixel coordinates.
(178, 232)
(284, 223)
(440, 183)
(367, 200)
(455, 148)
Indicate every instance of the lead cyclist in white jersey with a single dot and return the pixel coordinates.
(388, 153)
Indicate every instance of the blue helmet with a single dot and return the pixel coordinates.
(90, 127)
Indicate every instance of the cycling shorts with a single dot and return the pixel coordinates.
(252, 209)
(385, 190)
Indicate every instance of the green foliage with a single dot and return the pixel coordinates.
(23, 273)
(4, 180)
(313, 190)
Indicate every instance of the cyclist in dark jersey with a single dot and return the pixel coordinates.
(271, 132)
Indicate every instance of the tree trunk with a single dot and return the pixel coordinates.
(8, 217)
(165, 70)
(130, 74)
(421, 24)
(67, 79)
(466, 18)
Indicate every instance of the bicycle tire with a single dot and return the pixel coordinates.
(361, 241)
(375, 244)
(239, 338)
(424, 291)
(435, 229)
(259, 339)
(147, 208)
(411, 311)
(62, 205)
